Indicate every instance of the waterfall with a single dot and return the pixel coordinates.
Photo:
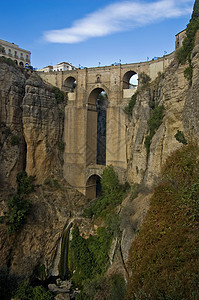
(63, 263)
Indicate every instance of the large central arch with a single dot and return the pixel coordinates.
(96, 127)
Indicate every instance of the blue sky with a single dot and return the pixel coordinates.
(89, 32)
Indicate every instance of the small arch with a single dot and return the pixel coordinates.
(21, 64)
(93, 187)
(16, 62)
(98, 79)
(70, 84)
(130, 80)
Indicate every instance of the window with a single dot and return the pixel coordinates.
(9, 52)
(21, 55)
(27, 57)
(15, 53)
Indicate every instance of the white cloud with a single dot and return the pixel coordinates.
(117, 17)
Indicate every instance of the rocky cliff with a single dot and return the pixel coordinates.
(32, 123)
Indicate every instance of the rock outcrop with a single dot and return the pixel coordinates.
(43, 124)
(170, 90)
(12, 144)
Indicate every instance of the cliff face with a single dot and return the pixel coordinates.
(12, 144)
(31, 126)
(31, 123)
(38, 242)
(43, 123)
(170, 90)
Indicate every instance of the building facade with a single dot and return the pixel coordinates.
(64, 66)
(19, 55)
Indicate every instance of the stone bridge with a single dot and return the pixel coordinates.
(82, 165)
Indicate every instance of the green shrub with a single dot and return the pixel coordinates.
(25, 183)
(144, 79)
(18, 206)
(154, 123)
(61, 146)
(18, 209)
(180, 137)
(59, 95)
(8, 283)
(89, 258)
(15, 140)
(8, 61)
(188, 73)
(53, 183)
(184, 53)
(163, 258)
(26, 292)
(129, 109)
(112, 194)
(111, 288)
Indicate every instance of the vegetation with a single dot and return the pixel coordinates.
(53, 183)
(61, 146)
(27, 292)
(59, 95)
(18, 206)
(15, 140)
(8, 283)
(129, 108)
(8, 61)
(184, 53)
(89, 258)
(180, 137)
(2, 49)
(164, 256)
(112, 194)
(111, 288)
(144, 79)
(154, 123)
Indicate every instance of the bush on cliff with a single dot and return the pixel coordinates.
(164, 256)
(112, 194)
(18, 206)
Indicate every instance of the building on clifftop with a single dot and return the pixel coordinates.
(19, 55)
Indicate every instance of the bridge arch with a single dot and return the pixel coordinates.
(70, 84)
(130, 80)
(96, 127)
(93, 186)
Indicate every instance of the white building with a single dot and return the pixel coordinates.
(64, 66)
(19, 55)
(46, 69)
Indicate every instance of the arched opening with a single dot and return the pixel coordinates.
(96, 127)
(70, 84)
(21, 64)
(93, 187)
(130, 80)
(16, 62)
